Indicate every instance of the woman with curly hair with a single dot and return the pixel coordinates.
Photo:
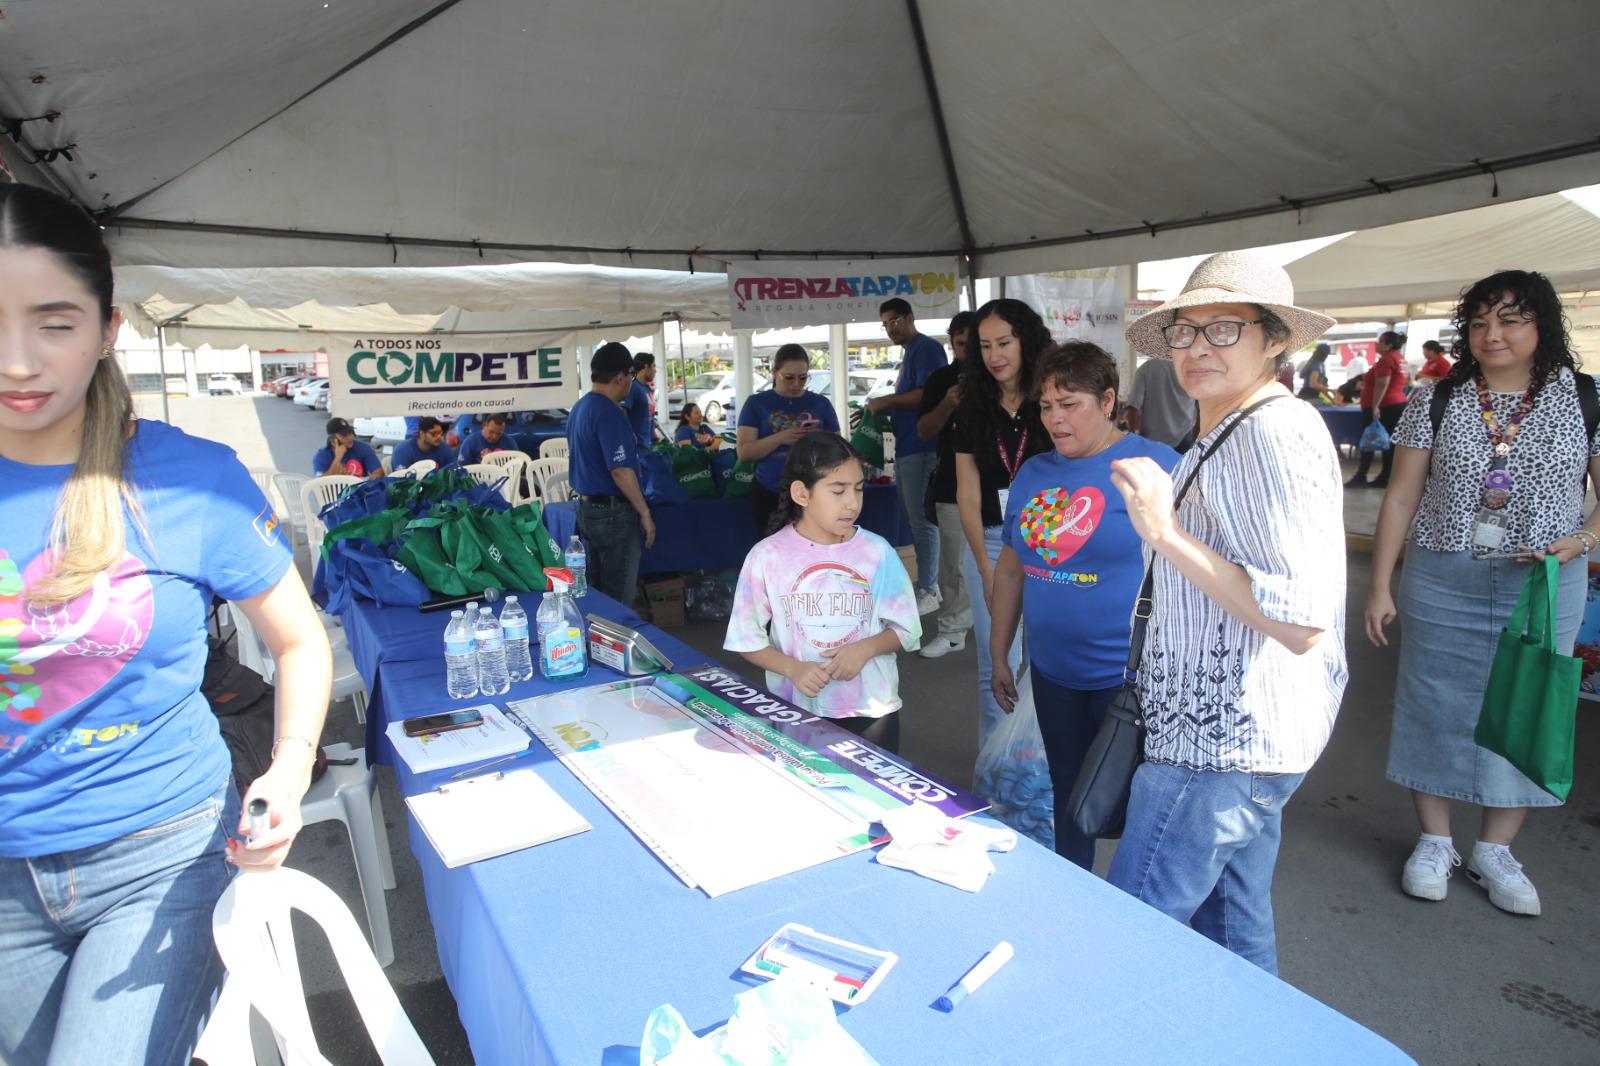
(1493, 474)
(997, 430)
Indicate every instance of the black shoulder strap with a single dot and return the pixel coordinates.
(1441, 399)
(1144, 606)
(1589, 402)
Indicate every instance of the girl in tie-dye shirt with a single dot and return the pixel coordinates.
(823, 606)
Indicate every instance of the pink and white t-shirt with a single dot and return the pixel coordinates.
(808, 599)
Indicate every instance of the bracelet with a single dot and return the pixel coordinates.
(1590, 541)
(310, 747)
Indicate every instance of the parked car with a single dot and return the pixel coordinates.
(380, 430)
(713, 391)
(864, 384)
(223, 385)
(306, 394)
(288, 388)
(319, 402)
(177, 386)
(279, 385)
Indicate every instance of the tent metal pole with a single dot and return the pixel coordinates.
(839, 363)
(161, 359)
(936, 110)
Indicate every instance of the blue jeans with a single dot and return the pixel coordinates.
(989, 712)
(1200, 846)
(615, 542)
(1069, 718)
(107, 950)
(912, 474)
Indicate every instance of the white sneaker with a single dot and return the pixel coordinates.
(1427, 872)
(928, 601)
(1492, 867)
(943, 645)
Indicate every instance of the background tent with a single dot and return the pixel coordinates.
(1417, 269)
(1032, 134)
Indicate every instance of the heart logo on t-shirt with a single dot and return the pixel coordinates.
(53, 658)
(1056, 524)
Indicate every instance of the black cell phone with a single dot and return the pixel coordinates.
(429, 724)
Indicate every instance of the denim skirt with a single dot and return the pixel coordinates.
(1452, 609)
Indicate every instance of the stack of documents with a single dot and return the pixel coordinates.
(439, 751)
(493, 814)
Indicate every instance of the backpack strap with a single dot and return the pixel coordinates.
(1441, 399)
(1589, 403)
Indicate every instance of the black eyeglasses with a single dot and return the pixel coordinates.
(1221, 334)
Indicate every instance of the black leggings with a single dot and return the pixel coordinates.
(763, 502)
(884, 732)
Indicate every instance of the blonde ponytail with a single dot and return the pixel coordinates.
(86, 533)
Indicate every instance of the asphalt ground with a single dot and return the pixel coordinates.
(1450, 982)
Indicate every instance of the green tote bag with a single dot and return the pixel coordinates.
(1530, 708)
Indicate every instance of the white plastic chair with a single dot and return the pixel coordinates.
(252, 652)
(491, 475)
(516, 466)
(255, 939)
(557, 489)
(316, 494)
(264, 476)
(543, 470)
(289, 488)
(420, 469)
(554, 448)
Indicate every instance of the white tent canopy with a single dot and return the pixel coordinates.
(1417, 269)
(304, 308)
(1032, 135)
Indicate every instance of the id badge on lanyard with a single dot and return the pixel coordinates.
(1005, 497)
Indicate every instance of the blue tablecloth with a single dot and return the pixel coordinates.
(716, 534)
(558, 953)
(1344, 424)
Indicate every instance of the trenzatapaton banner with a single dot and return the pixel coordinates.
(439, 374)
(766, 294)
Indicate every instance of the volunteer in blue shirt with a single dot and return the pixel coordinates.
(603, 467)
(640, 401)
(914, 458)
(490, 437)
(117, 800)
(426, 443)
(1071, 567)
(772, 420)
(692, 429)
(344, 454)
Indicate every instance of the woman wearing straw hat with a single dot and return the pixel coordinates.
(1244, 660)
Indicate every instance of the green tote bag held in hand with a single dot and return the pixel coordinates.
(1530, 708)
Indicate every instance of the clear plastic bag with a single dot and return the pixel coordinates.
(1013, 773)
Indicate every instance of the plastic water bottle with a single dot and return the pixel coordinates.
(563, 644)
(514, 621)
(492, 676)
(460, 665)
(577, 561)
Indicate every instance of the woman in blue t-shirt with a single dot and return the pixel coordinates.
(117, 802)
(773, 420)
(1071, 567)
(692, 429)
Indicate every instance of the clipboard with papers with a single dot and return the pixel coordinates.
(493, 814)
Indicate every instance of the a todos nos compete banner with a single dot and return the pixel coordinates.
(1084, 305)
(764, 293)
(447, 374)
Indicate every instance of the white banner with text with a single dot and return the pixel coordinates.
(448, 374)
(1081, 305)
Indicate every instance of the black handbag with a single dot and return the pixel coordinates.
(1098, 805)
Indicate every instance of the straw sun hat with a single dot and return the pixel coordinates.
(1232, 278)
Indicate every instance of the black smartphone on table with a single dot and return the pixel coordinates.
(428, 724)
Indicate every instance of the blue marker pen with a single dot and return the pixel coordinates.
(974, 978)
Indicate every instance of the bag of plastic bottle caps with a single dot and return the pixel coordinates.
(1014, 775)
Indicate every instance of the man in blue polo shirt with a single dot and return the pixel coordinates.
(914, 458)
(426, 443)
(641, 399)
(491, 436)
(603, 467)
(344, 454)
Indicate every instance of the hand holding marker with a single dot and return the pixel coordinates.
(974, 978)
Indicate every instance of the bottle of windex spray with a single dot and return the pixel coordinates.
(514, 621)
(563, 644)
(492, 676)
(460, 664)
